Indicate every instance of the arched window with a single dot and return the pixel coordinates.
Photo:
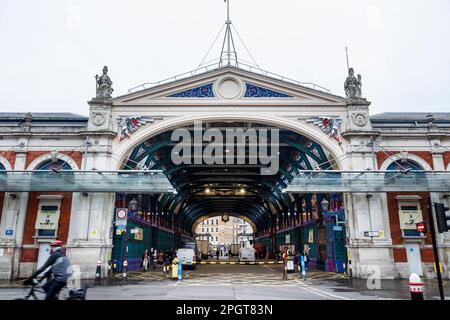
(407, 170)
(404, 165)
(57, 164)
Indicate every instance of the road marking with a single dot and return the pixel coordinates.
(320, 292)
(268, 268)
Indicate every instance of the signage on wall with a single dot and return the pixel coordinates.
(121, 216)
(121, 220)
(9, 232)
(47, 219)
(311, 236)
(409, 219)
(372, 234)
(139, 234)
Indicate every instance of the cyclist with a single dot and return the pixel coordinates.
(59, 265)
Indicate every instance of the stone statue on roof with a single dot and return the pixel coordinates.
(353, 85)
(104, 83)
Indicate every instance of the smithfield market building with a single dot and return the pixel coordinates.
(308, 169)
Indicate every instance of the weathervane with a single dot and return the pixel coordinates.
(228, 52)
(228, 41)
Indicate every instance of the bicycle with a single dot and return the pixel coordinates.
(74, 294)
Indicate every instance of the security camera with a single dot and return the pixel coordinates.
(368, 196)
(13, 196)
(84, 194)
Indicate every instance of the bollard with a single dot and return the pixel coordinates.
(180, 269)
(98, 273)
(415, 287)
(124, 275)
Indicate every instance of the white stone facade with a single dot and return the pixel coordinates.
(87, 232)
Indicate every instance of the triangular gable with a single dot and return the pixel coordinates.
(209, 85)
(254, 91)
(204, 91)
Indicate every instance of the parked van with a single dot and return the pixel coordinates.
(187, 256)
(247, 254)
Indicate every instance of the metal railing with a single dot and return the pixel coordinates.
(216, 66)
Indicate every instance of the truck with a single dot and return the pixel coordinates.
(247, 254)
(234, 249)
(203, 249)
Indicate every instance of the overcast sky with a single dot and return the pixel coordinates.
(50, 50)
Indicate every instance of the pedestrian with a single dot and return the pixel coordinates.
(155, 259)
(217, 254)
(144, 260)
(167, 263)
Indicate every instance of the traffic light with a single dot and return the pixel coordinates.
(441, 218)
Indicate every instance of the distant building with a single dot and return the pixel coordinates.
(222, 234)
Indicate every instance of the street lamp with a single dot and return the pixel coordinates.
(133, 206)
(324, 204)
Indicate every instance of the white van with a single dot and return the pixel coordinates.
(246, 254)
(187, 256)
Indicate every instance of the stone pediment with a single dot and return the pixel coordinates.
(229, 86)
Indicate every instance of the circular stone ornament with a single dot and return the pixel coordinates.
(360, 119)
(99, 119)
(229, 88)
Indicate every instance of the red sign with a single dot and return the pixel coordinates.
(421, 227)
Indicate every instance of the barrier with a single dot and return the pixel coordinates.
(235, 262)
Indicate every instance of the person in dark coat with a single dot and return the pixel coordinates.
(59, 266)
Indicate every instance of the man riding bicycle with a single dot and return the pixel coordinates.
(59, 265)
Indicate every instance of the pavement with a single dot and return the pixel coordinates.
(242, 282)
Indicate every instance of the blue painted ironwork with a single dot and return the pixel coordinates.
(205, 91)
(54, 165)
(253, 91)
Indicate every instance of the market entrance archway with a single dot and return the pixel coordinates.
(238, 187)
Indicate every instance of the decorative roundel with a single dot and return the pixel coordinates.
(359, 119)
(99, 119)
(121, 213)
(225, 218)
(229, 88)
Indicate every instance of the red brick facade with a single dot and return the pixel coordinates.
(446, 159)
(400, 255)
(394, 220)
(381, 156)
(10, 156)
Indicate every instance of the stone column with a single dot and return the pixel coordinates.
(370, 257)
(89, 238)
(12, 226)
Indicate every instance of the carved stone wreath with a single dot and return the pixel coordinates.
(359, 119)
(98, 119)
